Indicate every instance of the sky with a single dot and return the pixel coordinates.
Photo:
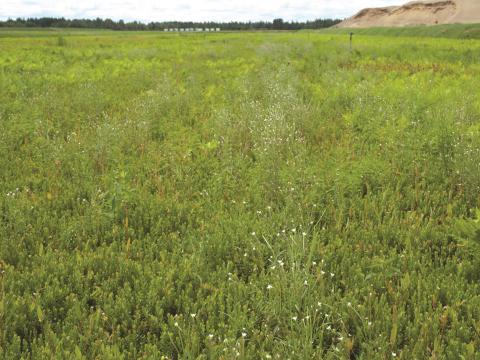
(185, 10)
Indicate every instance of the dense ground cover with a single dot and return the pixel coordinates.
(455, 31)
(247, 196)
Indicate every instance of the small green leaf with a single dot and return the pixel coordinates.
(40, 314)
(393, 335)
(78, 353)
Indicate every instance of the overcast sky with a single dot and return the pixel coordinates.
(183, 10)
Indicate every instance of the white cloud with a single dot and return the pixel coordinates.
(195, 10)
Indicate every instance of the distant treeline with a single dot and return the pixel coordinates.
(277, 24)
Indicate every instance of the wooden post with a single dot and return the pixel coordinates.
(351, 41)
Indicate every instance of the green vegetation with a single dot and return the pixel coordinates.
(455, 31)
(276, 24)
(251, 196)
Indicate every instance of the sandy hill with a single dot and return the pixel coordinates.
(417, 13)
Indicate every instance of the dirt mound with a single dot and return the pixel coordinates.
(417, 13)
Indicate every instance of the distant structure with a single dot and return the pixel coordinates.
(192, 29)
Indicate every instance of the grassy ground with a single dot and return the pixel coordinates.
(247, 196)
(455, 31)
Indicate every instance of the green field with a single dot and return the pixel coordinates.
(455, 31)
(241, 195)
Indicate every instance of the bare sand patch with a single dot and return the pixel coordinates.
(417, 13)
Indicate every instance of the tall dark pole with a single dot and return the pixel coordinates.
(351, 41)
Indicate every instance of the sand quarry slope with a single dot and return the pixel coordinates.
(417, 13)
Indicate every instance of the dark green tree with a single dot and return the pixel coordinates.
(278, 24)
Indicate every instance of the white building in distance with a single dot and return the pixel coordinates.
(192, 30)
